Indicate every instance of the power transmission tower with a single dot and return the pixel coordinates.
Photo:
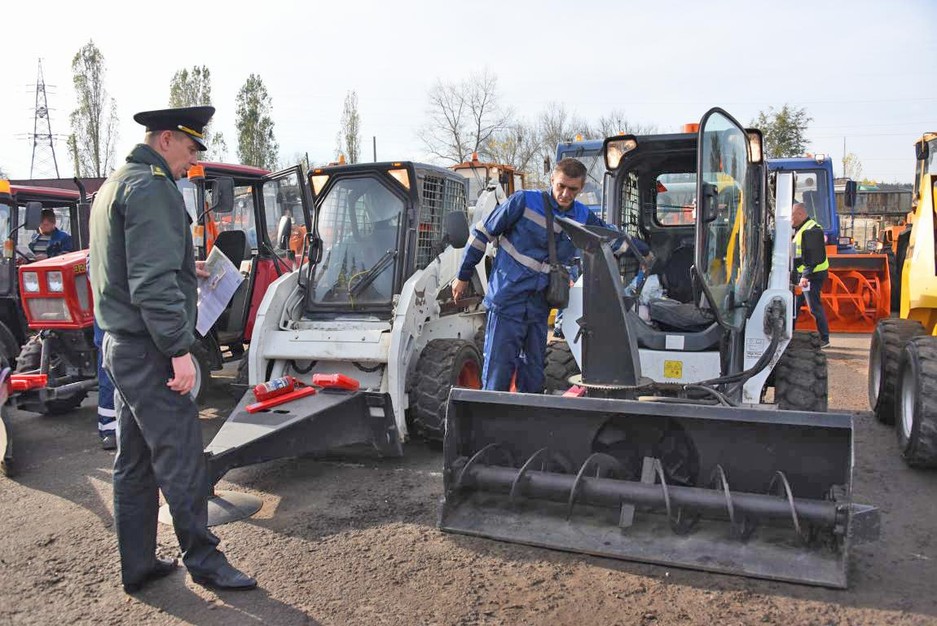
(43, 159)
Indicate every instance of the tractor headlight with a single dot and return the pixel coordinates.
(54, 280)
(48, 310)
(31, 282)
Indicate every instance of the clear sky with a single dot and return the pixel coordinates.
(866, 71)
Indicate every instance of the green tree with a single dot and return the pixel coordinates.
(349, 137)
(94, 121)
(189, 88)
(784, 130)
(257, 144)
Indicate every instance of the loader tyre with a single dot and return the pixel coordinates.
(559, 366)
(29, 361)
(443, 364)
(916, 402)
(800, 377)
(889, 338)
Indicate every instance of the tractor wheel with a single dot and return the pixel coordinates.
(242, 377)
(443, 364)
(889, 338)
(7, 467)
(916, 404)
(800, 377)
(559, 366)
(29, 361)
(9, 347)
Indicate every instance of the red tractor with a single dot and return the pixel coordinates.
(227, 205)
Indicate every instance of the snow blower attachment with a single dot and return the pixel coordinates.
(716, 487)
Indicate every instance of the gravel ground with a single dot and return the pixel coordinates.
(353, 541)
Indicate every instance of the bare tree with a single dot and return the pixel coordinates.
(852, 167)
(557, 124)
(463, 117)
(94, 121)
(518, 145)
(617, 123)
(189, 88)
(349, 137)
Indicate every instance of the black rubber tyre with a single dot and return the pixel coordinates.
(7, 466)
(916, 402)
(889, 338)
(443, 364)
(800, 377)
(9, 347)
(29, 361)
(559, 365)
(241, 378)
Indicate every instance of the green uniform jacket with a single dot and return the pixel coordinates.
(142, 259)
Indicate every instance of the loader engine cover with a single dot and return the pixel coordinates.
(752, 492)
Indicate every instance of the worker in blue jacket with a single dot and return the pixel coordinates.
(516, 334)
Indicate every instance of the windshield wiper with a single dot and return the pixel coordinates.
(368, 277)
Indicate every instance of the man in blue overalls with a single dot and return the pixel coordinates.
(516, 334)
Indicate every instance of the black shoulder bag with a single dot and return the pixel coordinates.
(558, 290)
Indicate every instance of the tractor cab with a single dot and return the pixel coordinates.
(482, 175)
(376, 225)
(258, 220)
(20, 211)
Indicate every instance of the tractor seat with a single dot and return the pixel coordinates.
(679, 316)
(233, 243)
(676, 274)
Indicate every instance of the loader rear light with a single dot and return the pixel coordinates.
(54, 281)
(49, 310)
(335, 381)
(616, 149)
(401, 176)
(196, 172)
(318, 182)
(5, 189)
(31, 282)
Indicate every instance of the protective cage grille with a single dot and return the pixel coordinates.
(439, 196)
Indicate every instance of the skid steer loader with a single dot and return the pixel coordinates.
(663, 449)
(903, 352)
(372, 304)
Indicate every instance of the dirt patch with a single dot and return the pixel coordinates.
(354, 541)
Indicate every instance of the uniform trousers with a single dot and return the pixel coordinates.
(159, 447)
(515, 345)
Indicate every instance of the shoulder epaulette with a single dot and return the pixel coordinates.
(158, 171)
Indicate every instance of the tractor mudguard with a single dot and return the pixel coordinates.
(752, 492)
(313, 424)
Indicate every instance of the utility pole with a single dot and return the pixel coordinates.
(374, 146)
(43, 158)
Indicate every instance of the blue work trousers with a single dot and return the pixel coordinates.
(815, 304)
(107, 417)
(513, 345)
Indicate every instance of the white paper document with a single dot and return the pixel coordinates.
(215, 291)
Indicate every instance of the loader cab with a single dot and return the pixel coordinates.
(925, 152)
(377, 224)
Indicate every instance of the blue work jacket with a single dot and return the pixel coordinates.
(520, 273)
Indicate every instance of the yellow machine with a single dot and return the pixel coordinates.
(903, 355)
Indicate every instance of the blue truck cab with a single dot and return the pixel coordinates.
(589, 151)
(813, 185)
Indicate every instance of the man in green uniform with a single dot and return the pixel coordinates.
(143, 277)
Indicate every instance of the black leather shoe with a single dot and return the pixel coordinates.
(163, 567)
(226, 577)
(109, 442)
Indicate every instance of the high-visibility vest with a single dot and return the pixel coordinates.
(798, 252)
